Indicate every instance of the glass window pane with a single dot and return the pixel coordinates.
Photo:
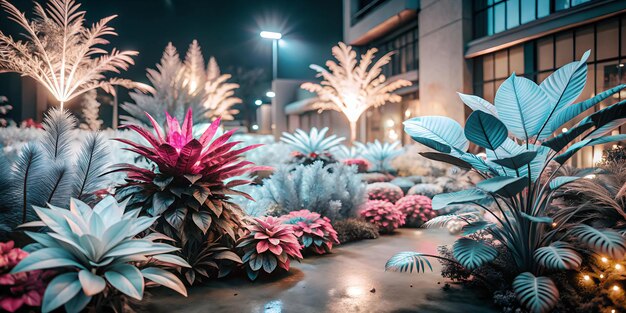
(543, 8)
(545, 54)
(516, 60)
(561, 5)
(584, 42)
(490, 21)
(488, 92)
(564, 49)
(623, 39)
(499, 18)
(512, 14)
(528, 11)
(488, 67)
(502, 64)
(607, 42)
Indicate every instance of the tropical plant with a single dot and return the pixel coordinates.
(95, 252)
(61, 53)
(334, 191)
(51, 170)
(209, 259)
(314, 232)
(91, 112)
(384, 191)
(312, 146)
(343, 152)
(513, 171)
(189, 188)
(416, 209)
(353, 229)
(268, 244)
(380, 155)
(352, 89)
(428, 190)
(21, 289)
(183, 85)
(382, 214)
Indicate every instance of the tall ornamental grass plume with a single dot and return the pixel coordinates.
(267, 245)
(383, 214)
(525, 149)
(95, 253)
(61, 53)
(314, 232)
(190, 187)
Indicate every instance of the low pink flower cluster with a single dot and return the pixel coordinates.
(313, 231)
(384, 191)
(361, 164)
(417, 209)
(17, 290)
(383, 214)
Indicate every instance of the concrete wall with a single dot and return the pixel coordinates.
(444, 29)
(286, 92)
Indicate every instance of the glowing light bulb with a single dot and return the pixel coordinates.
(564, 129)
(407, 113)
(390, 123)
(554, 224)
(615, 288)
(258, 102)
(255, 127)
(601, 275)
(604, 259)
(618, 266)
(586, 277)
(612, 311)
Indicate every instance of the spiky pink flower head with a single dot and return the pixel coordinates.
(417, 209)
(384, 191)
(314, 231)
(382, 214)
(267, 244)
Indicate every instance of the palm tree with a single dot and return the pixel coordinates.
(352, 89)
(61, 53)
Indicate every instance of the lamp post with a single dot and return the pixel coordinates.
(274, 36)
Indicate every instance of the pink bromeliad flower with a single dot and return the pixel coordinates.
(314, 231)
(268, 244)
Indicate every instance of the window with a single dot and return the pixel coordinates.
(494, 16)
(406, 48)
(537, 59)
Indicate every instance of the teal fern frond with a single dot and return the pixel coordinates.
(57, 139)
(91, 166)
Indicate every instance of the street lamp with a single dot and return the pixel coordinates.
(270, 94)
(258, 102)
(274, 36)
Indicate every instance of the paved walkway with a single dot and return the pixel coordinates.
(351, 279)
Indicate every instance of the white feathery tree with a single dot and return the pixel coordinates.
(61, 53)
(180, 85)
(352, 86)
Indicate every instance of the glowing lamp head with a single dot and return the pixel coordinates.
(615, 288)
(258, 102)
(270, 94)
(271, 35)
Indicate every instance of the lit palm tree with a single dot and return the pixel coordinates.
(352, 89)
(61, 53)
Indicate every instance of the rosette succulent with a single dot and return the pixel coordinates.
(380, 154)
(96, 252)
(384, 191)
(268, 244)
(313, 231)
(383, 214)
(417, 209)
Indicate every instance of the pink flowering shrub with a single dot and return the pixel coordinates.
(267, 244)
(361, 164)
(417, 209)
(21, 289)
(383, 214)
(313, 231)
(384, 191)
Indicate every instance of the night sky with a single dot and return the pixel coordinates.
(228, 30)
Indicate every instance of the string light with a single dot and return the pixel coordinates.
(618, 266)
(554, 224)
(615, 288)
(586, 277)
(604, 259)
(601, 275)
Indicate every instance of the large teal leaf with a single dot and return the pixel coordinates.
(516, 161)
(59, 291)
(474, 227)
(557, 182)
(164, 278)
(443, 131)
(485, 130)
(558, 256)
(537, 294)
(78, 303)
(473, 254)
(91, 283)
(127, 279)
(446, 158)
(46, 258)
(477, 162)
(478, 104)
(537, 219)
(561, 140)
(442, 200)
(563, 157)
(603, 241)
(522, 106)
(408, 261)
(504, 185)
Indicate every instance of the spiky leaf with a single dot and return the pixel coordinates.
(408, 261)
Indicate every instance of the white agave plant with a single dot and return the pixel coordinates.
(343, 152)
(313, 142)
(95, 250)
(380, 154)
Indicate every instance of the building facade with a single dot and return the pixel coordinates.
(472, 46)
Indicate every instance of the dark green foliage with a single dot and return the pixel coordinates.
(353, 229)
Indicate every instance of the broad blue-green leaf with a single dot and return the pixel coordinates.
(485, 130)
(172, 259)
(78, 303)
(474, 227)
(557, 182)
(516, 161)
(442, 130)
(161, 201)
(138, 246)
(202, 219)
(561, 140)
(176, 217)
(408, 261)
(478, 104)
(91, 283)
(47, 258)
(504, 185)
(127, 279)
(164, 278)
(473, 254)
(522, 106)
(537, 219)
(442, 200)
(269, 264)
(537, 294)
(60, 290)
(603, 241)
(162, 181)
(563, 157)
(558, 256)
(446, 158)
